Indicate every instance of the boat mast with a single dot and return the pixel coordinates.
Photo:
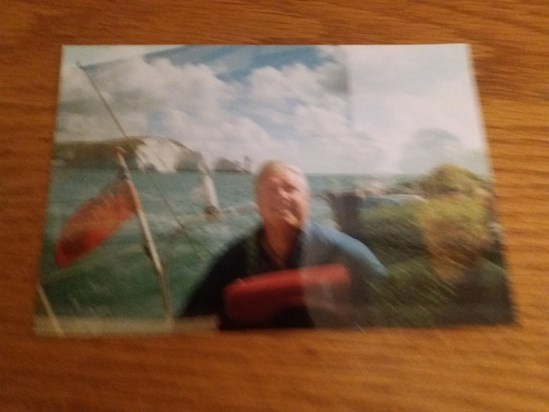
(150, 246)
(147, 236)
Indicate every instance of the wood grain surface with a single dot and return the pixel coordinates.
(468, 368)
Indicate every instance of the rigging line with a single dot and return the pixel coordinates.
(117, 122)
(165, 200)
(102, 100)
(173, 236)
(194, 243)
(200, 247)
(169, 253)
(182, 227)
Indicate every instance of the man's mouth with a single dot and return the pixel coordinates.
(282, 209)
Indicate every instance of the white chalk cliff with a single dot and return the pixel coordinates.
(144, 153)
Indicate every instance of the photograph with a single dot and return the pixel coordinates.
(215, 188)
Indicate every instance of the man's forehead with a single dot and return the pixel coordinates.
(281, 172)
(283, 175)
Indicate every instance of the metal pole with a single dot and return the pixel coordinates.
(149, 243)
(148, 239)
(49, 311)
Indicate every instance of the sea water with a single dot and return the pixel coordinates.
(117, 278)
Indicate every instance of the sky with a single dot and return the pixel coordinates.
(327, 109)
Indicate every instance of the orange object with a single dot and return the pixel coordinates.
(319, 292)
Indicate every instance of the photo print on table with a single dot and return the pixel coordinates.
(198, 188)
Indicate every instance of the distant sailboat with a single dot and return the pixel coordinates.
(205, 194)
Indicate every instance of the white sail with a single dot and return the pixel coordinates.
(205, 194)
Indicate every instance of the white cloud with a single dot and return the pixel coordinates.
(398, 90)
(317, 123)
(268, 86)
(133, 89)
(294, 112)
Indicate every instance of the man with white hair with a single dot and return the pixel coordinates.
(286, 240)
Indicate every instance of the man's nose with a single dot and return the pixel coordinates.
(282, 193)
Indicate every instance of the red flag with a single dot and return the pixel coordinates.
(95, 221)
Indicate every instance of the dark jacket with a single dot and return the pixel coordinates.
(316, 245)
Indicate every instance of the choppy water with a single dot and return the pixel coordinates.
(117, 278)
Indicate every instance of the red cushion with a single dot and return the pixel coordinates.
(258, 299)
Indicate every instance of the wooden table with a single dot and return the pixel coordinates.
(469, 368)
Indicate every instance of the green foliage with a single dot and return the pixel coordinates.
(411, 295)
(413, 282)
(434, 252)
(455, 233)
(414, 295)
(392, 232)
(450, 179)
(452, 227)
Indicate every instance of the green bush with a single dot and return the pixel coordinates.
(392, 232)
(411, 295)
(456, 234)
(451, 230)
(434, 253)
(447, 179)
(414, 295)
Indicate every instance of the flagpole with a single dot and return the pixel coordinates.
(147, 237)
(49, 311)
(149, 242)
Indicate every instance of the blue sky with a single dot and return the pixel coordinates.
(337, 109)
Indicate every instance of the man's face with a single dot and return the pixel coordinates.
(283, 199)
